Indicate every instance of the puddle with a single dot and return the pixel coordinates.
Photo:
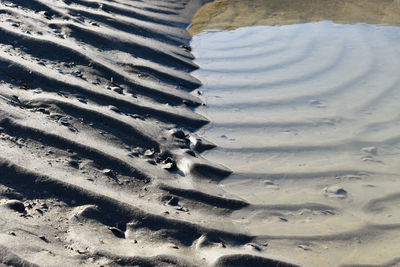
(306, 114)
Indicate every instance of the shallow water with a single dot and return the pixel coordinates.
(307, 116)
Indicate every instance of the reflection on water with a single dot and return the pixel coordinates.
(307, 116)
(231, 14)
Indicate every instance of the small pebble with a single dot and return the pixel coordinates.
(253, 246)
(15, 205)
(336, 190)
(136, 116)
(152, 162)
(178, 133)
(64, 121)
(117, 89)
(186, 47)
(173, 201)
(149, 152)
(182, 209)
(74, 164)
(114, 108)
(303, 247)
(117, 232)
(283, 219)
(109, 172)
(82, 100)
(268, 182)
(370, 150)
(43, 238)
(174, 246)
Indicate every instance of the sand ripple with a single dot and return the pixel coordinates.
(308, 114)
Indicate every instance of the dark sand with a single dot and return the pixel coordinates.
(92, 169)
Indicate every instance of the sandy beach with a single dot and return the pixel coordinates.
(98, 163)
(106, 158)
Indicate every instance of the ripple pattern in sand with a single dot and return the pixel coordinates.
(303, 114)
(91, 94)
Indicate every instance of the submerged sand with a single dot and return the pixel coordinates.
(306, 116)
(232, 14)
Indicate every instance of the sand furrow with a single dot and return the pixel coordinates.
(99, 158)
(137, 13)
(103, 67)
(18, 73)
(131, 27)
(92, 208)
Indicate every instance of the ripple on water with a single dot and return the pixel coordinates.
(300, 106)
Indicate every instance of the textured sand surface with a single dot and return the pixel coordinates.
(93, 171)
(307, 118)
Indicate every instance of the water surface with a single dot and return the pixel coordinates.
(307, 116)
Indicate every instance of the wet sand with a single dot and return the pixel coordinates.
(99, 165)
(306, 116)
